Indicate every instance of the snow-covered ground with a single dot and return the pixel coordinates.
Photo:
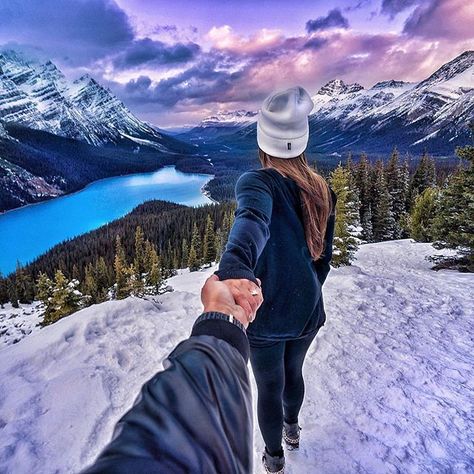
(17, 323)
(389, 379)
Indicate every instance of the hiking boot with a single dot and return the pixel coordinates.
(291, 435)
(273, 464)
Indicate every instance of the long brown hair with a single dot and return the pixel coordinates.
(315, 196)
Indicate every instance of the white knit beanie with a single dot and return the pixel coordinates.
(282, 124)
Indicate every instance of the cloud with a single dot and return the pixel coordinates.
(393, 7)
(446, 19)
(174, 32)
(148, 52)
(334, 19)
(79, 31)
(315, 43)
(224, 37)
(358, 6)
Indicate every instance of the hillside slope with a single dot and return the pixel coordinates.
(389, 378)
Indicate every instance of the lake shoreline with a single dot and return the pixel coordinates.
(71, 193)
(27, 232)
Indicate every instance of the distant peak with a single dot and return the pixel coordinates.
(451, 69)
(338, 86)
(86, 79)
(389, 83)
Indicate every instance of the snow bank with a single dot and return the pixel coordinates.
(389, 379)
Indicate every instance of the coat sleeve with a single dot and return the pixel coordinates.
(322, 264)
(250, 231)
(193, 417)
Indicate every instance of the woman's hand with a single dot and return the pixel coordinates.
(246, 294)
(216, 296)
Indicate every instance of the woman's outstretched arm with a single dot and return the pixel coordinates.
(250, 231)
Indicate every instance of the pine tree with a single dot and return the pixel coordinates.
(367, 233)
(383, 221)
(209, 250)
(422, 215)
(194, 259)
(405, 185)
(75, 273)
(90, 287)
(24, 285)
(122, 283)
(424, 176)
(184, 253)
(65, 299)
(44, 287)
(395, 185)
(154, 280)
(350, 166)
(102, 279)
(219, 244)
(12, 293)
(363, 185)
(44, 291)
(3, 291)
(139, 261)
(454, 223)
(347, 218)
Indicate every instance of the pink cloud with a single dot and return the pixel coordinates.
(451, 19)
(223, 37)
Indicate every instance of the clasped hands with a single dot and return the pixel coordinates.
(238, 297)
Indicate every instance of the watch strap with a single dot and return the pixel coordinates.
(220, 316)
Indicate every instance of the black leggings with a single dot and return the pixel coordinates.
(277, 368)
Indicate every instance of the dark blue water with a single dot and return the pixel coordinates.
(28, 232)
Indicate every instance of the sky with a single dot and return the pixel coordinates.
(174, 62)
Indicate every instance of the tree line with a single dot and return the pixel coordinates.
(130, 256)
(384, 201)
(133, 255)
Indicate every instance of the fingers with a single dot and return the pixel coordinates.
(246, 294)
(245, 305)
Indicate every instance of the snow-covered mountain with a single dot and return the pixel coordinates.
(39, 96)
(229, 118)
(388, 379)
(221, 124)
(433, 114)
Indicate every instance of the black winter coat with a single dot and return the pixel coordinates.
(193, 417)
(267, 241)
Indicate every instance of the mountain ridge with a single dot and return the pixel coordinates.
(433, 114)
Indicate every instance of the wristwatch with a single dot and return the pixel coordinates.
(222, 316)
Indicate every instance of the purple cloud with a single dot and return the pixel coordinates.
(393, 7)
(155, 53)
(450, 20)
(334, 19)
(81, 31)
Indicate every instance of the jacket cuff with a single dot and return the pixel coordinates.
(236, 274)
(223, 330)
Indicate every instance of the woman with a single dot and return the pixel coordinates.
(282, 239)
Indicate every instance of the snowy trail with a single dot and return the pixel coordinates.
(389, 378)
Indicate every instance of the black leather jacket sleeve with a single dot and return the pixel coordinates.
(193, 417)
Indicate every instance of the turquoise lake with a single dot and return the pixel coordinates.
(28, 232)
